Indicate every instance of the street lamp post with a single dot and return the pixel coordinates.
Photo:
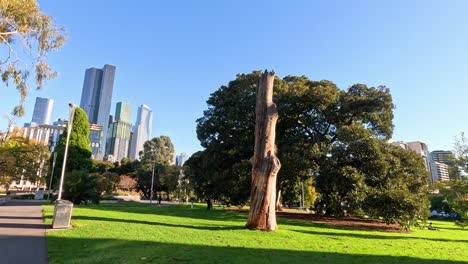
(152, 176)
(69, 128)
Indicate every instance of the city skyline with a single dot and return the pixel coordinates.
(417, 51)
(96, 100)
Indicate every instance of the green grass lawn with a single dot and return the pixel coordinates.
(137, 233)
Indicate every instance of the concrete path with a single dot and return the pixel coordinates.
(22, 233)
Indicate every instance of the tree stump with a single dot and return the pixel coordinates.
(265, 164)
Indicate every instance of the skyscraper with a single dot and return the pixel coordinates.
(443, 156)
(141, 130)
(96, 100)
(181, 159)
(118, 140)
(42, 111)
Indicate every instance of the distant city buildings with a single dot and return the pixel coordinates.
(439, 172)
(435, 162)
(141, 130)
(118, 139)
(42, 111)
(96, 99)
(46, 134)
(181, 159)
(442, 156)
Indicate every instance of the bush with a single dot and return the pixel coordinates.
(29, 196)
(81, 187)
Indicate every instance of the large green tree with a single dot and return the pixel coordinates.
(325, 133)
(79, 148)
(158, 153)
(23, 26)
(22, 158)
(79, 185)
(310, 113)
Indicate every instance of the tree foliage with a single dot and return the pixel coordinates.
(455, 193)
(22, 158)
(158, 153)
(79, 185)
(79, 148)
(334, 136)
(27, 36)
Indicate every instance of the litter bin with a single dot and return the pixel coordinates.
(62, 214)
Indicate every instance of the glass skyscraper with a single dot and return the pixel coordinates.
(42, 111)
(118, 140)
(141, 130)
(96, 99)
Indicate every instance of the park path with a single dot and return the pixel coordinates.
(22, 233)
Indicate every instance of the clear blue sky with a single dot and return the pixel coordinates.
(171, 55)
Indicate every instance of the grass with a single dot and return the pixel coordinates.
(137, 233)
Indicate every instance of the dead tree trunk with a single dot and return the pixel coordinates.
(265, 164)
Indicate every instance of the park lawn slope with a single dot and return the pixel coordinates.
(137, 233)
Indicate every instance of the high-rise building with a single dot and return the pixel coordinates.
(141, 130)
(181, 159)
(442, 156)
(42, 111)
(95, 139)
(432, 161)
(441, 172)
(118, 140)
(96, 98)
(422, 149)
(122, 112)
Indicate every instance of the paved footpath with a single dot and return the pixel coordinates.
(22, 233)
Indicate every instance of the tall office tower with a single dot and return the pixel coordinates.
(141, 130)
(42, 111)
(181, 159)
(118, 140)
(442, 156)
(96, 100)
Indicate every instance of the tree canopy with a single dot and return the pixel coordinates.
(325, 134)
(28, 36)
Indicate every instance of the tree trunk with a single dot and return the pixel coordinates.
(279, 206)
(265, 164)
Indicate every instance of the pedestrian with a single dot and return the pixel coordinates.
(430, 227)
(159, 200)
(209, 204)
(192, 200)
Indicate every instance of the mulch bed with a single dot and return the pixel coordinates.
(345, 222)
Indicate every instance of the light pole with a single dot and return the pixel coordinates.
(69, 128)
(152, 176)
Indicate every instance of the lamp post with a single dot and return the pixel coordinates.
(69, 128)
(152, 176)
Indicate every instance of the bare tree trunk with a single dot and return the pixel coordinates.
(265, 164)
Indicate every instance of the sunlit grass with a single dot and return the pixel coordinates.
(136, 233)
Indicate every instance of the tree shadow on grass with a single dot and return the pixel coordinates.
(87, 251)
(198, 212)
(371, 236)
(132, 221)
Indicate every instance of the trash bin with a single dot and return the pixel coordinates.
(62, 214)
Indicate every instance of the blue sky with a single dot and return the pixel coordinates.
(171, 55)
